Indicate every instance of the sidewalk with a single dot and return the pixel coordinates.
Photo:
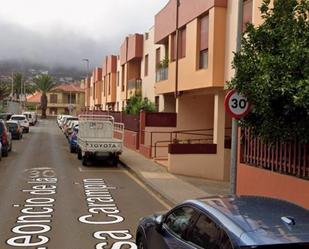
(173, 188)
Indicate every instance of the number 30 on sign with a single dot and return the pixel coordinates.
(236, 105)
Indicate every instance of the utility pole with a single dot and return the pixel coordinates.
(233, 169)
(177, 49)
(12, 90)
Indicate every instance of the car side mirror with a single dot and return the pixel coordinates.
(158, 223)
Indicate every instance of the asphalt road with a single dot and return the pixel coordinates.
(49, 200)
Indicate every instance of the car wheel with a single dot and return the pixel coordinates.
(140, 243)
(85, 161)
(72, 149)
(5, 152)
(79, 154)
(114, 160)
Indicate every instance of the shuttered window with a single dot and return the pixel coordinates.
(182, 44)
(203, 44)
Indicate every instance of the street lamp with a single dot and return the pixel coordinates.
(87, 61)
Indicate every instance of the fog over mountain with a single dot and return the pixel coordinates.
(62, 33)
(60, 47)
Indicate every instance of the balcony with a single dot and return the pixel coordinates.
(134, 87)
(162, 74)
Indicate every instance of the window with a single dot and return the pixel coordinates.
(157, 101)
(182, 44)
(203, 46)
(247, 13)
(146, 36)
(109, 84)
(118, 80)
(122, 77)
(208, 234)
(53, 98)
(158, 57)
(178, 221)
(146, 65)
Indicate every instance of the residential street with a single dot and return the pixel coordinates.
(49, 200)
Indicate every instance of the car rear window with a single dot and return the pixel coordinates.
(11, 125)
(18, 118)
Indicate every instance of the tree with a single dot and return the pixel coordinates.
(18, 80)
(136, 104)
(272, 70)
(44, 84)
(5, 90)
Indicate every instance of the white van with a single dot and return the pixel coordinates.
(30, 116)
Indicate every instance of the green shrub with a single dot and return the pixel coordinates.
(272, 70)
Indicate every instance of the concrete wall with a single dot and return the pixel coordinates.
(195, 112)
(254, 181)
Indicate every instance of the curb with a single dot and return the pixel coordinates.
(151, 188)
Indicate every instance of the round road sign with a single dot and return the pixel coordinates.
(236, 105)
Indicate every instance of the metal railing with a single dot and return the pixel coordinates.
(290, 158)
(182, 136)
(162, 74)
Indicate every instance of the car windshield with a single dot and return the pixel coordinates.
(18, 118)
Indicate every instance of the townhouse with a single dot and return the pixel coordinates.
(63, 99)
(182, 65)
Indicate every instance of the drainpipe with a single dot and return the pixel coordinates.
(127, 71)
(177, 47)
(233, 169)
(106, 61)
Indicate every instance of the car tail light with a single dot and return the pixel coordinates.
(4, 138)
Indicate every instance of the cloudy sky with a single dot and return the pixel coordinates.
(65, 31)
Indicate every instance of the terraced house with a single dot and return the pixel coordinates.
(182, 65)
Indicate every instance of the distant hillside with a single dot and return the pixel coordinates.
(30, 69)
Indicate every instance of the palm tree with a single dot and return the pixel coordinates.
(44, 84)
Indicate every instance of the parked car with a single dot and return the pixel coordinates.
(5, 116)
(23, 122)
(31, 117)
(96, 138)
(15, 129)
(70, 126)
(226, 223)
(5, 139)
(65, 122)
(0, 150)
(73, 139)
(62, 120)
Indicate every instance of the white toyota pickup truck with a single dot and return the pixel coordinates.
(99, 136)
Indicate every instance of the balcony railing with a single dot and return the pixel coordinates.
(162, 74)
(134, 84)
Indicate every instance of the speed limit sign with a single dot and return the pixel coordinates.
(236, 105)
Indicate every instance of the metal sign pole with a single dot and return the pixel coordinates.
(233, 170)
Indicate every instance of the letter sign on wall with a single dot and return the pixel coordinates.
(236, 105)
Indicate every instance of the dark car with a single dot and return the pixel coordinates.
(5, 139)
(73, 139)
(15, 129)
(5, 116)
(226, 223)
